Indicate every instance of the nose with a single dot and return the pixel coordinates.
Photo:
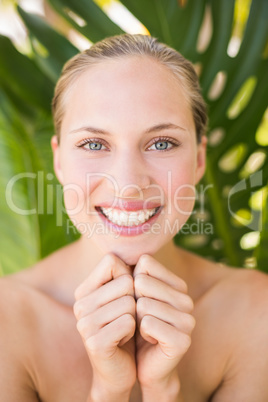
(130, 176)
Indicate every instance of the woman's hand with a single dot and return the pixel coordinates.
(105, 311)
(164, 326)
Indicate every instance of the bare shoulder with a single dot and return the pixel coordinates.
(17, 322)
(17, 317)
(238, 298)
(241, 304)
(16, 304)
(246, 295)
(244, 289)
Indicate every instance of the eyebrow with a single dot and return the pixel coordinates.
(156, 128)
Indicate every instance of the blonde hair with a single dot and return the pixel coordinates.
(132, 45)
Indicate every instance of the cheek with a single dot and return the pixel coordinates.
(78, 168)
(81, 177)
(180, 186)
(184, 199)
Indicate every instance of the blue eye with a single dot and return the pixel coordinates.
(94, 146)
(163, 144)
(91, 144)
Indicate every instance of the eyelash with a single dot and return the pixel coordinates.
(171, 141)
(91, 141)
(86, 141)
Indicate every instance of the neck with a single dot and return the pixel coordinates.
(60, 274)
(170, 256)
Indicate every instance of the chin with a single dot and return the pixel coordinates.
(131, 251)
(130, 255)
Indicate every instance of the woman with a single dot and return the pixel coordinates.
(111, 316)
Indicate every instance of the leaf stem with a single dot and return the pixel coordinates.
(219, 214)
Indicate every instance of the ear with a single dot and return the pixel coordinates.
(201, 159)
(56, 158)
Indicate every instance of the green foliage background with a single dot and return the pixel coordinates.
(235, 89)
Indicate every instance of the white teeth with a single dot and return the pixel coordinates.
(128, 218)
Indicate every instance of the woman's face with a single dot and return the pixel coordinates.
(128, 157)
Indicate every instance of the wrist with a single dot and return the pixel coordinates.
(101, 395)
(166, 391)
(104, 392)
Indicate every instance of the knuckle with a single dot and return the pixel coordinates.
(139, 280)
(144, 260)
(87, 326)
(93, 345)
(142, 264)
(146, 323)
(77, 309)
(139, 285)
(182, 345)
(127, 283)
(186, 341)
(142, 305)
(77, 293)
(129, 302)
(129, 321)
(110, 259)
(183, 286)
(190, 322)
(81, 327)
(189, 304)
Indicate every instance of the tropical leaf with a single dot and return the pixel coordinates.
(19, 239)
(57, 48)
(27, 81)
(238, 130)
(32, 222)
(234, 84)
(87, 18)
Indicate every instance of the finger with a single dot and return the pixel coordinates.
(92, 323)
(108, 268)
(148, 265)
(173, 343)
(108, 338)
(121, 286)
(140, 339)
(146, 286)
(182, 321)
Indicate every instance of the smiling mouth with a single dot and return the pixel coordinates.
(128, 218)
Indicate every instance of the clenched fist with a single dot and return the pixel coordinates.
(105, 313)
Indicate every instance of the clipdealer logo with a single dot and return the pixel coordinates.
(49, 197)
(255, 181)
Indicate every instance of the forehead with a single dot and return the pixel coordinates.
(126, 89)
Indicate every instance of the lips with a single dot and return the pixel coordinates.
(127, 205)
(128, 218)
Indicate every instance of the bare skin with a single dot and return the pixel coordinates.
(43, 354)
(133, 317)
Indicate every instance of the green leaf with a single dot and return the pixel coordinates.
(213, 232)
(20, 240)
(58, 47)
(31, 206)
(87, 18)
(27, 81)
